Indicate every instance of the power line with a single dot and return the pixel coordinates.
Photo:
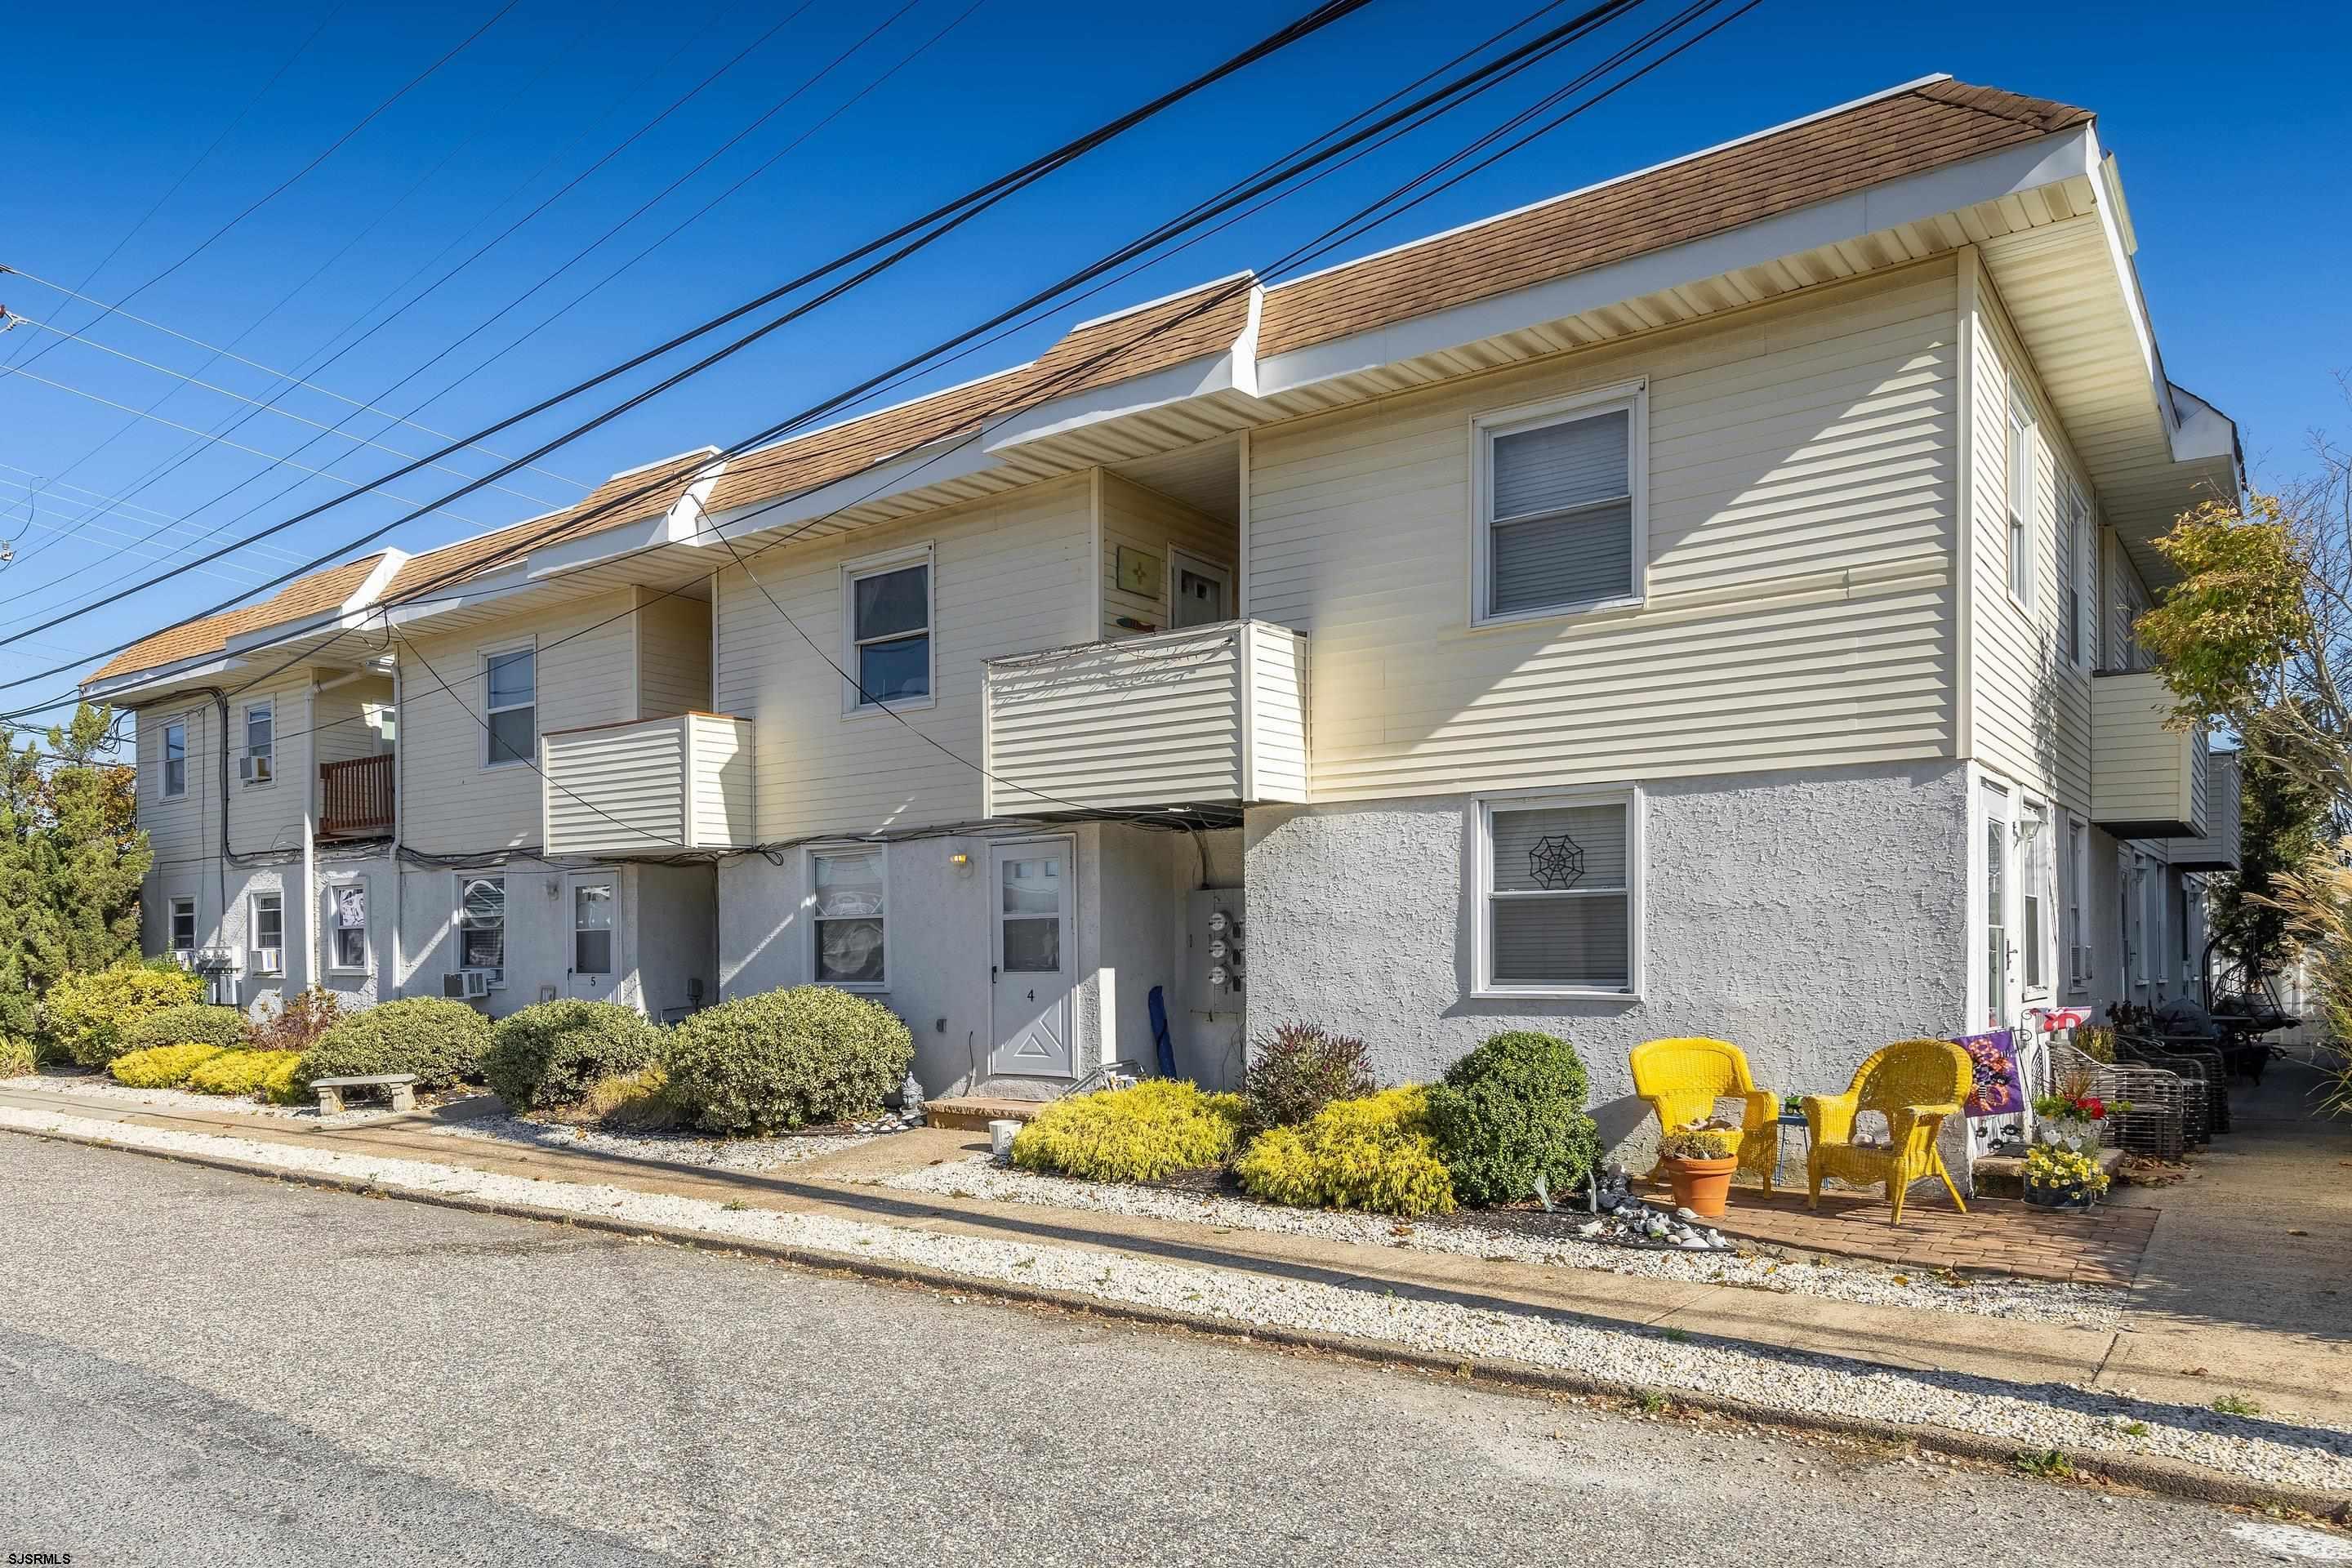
(235, 396)
(495, 240)
(947, 218)
(219, 352)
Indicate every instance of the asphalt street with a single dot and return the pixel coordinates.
(204, 1368)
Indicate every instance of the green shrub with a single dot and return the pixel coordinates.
(440, 1041)
(1369, 1153)
(88, 1013)
(1298, 1069)
(551, 1054)
(16, 1058)
(241, 1072)
(1509, 1111)
(188, 1022)
(784, 1060)
(1144, 1133)
(160, 1066)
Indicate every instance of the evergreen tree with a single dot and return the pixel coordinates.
(72, 857)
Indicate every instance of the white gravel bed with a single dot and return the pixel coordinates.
(1859, 1281)
(2037, 1416)
(102, 1088)
(674, 1148)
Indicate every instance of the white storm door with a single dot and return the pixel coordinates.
(1034, 958)
(1200, 594)
(593, 905)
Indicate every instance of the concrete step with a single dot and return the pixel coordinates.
(2003, 1175)
(974, 1112)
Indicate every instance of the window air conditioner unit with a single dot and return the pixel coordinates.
(266, 960)
(253, 769)
(465, 984)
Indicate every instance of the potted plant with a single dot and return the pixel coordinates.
(2071, 1118)
(2063, 1178)
(1700, 1157)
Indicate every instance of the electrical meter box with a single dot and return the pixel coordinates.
(1216, 960)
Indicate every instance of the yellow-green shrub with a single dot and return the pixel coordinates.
(283, 1085)
(17, 1057)
(88, 1013)
(240, 1072)
(637, 1101)
(160, 1066)
(1144, 1133)
(1374, 1153)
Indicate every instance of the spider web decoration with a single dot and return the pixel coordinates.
(1556, 862)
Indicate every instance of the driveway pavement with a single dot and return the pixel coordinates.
(196, 1366)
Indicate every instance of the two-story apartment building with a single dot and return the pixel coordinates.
(1697, 604)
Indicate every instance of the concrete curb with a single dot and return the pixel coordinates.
(2170, 1477)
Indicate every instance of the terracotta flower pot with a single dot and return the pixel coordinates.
(1701, 1186)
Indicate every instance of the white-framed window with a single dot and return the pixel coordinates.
(2078, 552)
(482, 926)
(347, 918)
(847, 914)
(2035, 896)
(886, 617)
(1558, 508)
(174, 782)
(2135, 918)
(2078, 884)
(269, 934)
(2021, 496)
(1556, 884)
(510, 707)
(181, 925)
(260, 743)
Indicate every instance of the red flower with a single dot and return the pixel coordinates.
(2093, 1106)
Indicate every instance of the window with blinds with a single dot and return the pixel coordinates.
(1559, 524)
(1560, 895)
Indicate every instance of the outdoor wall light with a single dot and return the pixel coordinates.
(959, 863)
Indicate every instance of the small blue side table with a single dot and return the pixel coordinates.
(1787, 1119)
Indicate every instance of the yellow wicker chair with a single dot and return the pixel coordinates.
(1682, 1079)
(1915, 1084)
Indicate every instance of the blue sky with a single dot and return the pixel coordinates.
(2228, 140)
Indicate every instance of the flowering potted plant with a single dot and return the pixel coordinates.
(2070, 1117)
(1700, 1157)
(2063, 1178)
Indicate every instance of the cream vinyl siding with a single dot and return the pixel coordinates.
(2032, 708)
(1209, 714)
(452, 804)
(1799, 567)
(1144, 520)
(2218, 846)
(272, 816)
(673, 654)
(2147, 773)
(185, 827)
(657, 786)
(1011, 575)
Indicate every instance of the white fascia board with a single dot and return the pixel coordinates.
(2043, 162)
(958, 457)
(203, 669)
(474, 591)
(1203, 377)
(586, 550)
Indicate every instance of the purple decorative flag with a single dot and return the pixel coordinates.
(1994, 1056)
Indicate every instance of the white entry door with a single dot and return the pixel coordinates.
(1035, 959)
(594, 909)
(1200, 592)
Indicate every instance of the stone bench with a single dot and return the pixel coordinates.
(400, 1087)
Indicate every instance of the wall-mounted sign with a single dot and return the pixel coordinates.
(1138, 572)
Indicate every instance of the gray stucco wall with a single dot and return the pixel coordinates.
(1808, 917)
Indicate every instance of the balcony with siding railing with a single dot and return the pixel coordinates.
(648, 786)
(1207, 716)
(356, 797)
(2148, 779)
